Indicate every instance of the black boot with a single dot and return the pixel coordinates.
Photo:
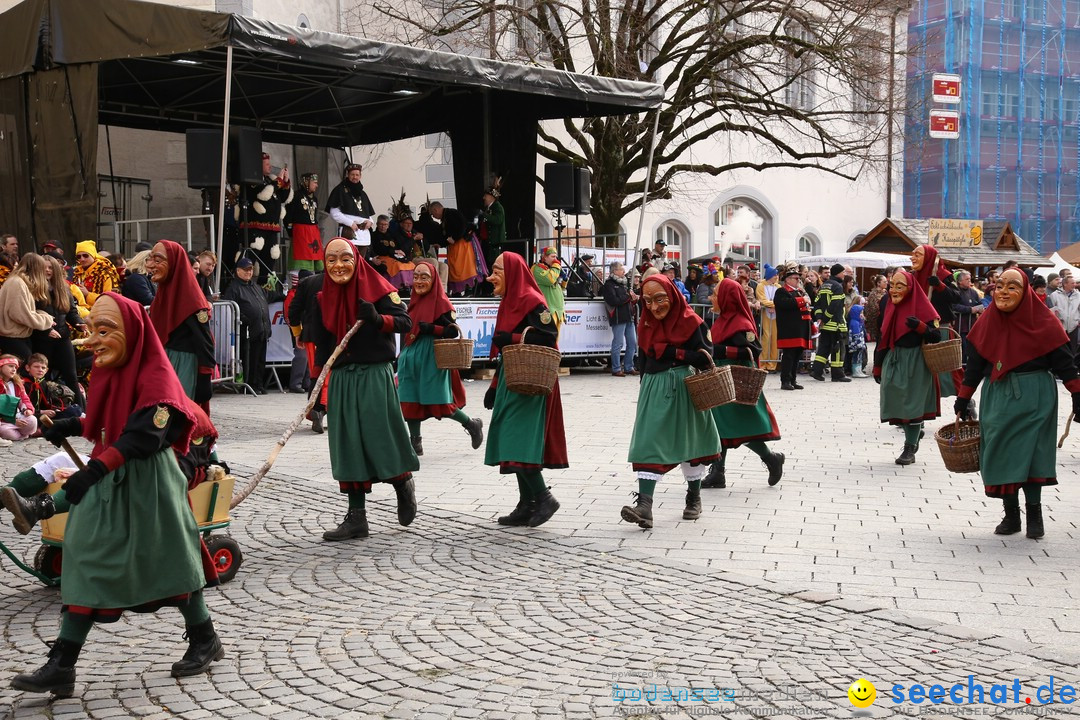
(775, 463)
(640, 513)
(1034, 521)
(57, 675)
(519, 516)
(406, 501)
(785, 385)
(817, 370)
(417, 445)
(1010, 524)
(839, 376)
(26, 512)
(317, 421)
(692, 511)
(715, 478)
(204, 647)
(545, 506)
(353, 526)
(475, 428)
(907, 457)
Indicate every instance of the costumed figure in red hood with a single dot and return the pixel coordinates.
(909, 392)
(369, 442)
(131, 541)
(1018, 346)
(526, 433)
(937, 281)
(180, 314)
(735, 342)
(426, 391)
(669, 431)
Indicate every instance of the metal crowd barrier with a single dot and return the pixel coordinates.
(225, 327)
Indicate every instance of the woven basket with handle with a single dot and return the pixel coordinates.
(454, 353)
(710, 388)
(749, 382)
(530, 369)
(945, 356)
(959, 446)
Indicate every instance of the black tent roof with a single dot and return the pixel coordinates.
(163, 68)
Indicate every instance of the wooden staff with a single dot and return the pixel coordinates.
(239, 497)
(1061, 440)
(47, 422)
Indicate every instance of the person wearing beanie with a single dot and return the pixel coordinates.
(765, 292)
(829, 312)
(93, 272)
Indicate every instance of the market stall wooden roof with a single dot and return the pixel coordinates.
(960, 243)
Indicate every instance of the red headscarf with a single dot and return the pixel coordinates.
(931, 264)
(734, 316)
(146, 379)
(428, 307)
(178, 295)
(520, 297)
(339, 303)
(894, 324)
(678, 326)
(1008, 340)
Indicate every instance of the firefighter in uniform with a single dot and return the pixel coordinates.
(829, 312)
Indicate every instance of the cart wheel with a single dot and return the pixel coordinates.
(48, 561)
(226, 555)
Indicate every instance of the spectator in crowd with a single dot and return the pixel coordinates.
(829, 313)
(9, 256)
(658, 257)
(856, 339)
(20, 317)
(254, 322)
(825, 273)
(670, 269)
(742, 275)
(967, 309)
(1038, 285)
(850, 297)
(204, 272)
(621, 301)
(582, 282)
(392, 248)
(1066, 308)
(137, 285)
(299, 373)
(53, 249)
(872, 308)
(55, 343)
(50, 399)
(1053, 284)
(548, 273)
(93, 273)
(764, 294)
(693, 279)
(811, 284)
(794, 326)
(351, 208)
(17, 421)
(704, 289)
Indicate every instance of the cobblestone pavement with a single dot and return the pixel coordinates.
(851, 567)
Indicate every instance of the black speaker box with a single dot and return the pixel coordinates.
(582, 192)
(203, 158)
(245, 155)
(558, 186)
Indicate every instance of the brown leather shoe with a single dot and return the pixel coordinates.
(618, 374)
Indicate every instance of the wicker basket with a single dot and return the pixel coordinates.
(749, 382)
(454, 353)
(711, 388)
(959, 446)
(530, 369)
(945, 356)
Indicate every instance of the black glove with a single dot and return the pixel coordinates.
(367, 312)
(700, 360)
(426, 328)
(502, 338)
(1076, 405)
(223, 465)
(62, 429)
(76, 486)
(962, 407)
(720, 351)
(934, 281)
(877, 378)
(912, 322)
(204, 388)
(489, 399)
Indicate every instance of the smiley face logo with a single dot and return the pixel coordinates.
(862, 693)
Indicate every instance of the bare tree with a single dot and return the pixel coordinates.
(749, 84)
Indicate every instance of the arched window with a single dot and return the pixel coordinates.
(808, 245)
(677, 237)
(669, 234)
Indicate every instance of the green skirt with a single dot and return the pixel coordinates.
(369, 441)
(187, 369)
(738, 424)
(419, 379)
(516, 432)
(946, 384)
(908, 391)
(133, 539)
(668, 428)
(1018, 426)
